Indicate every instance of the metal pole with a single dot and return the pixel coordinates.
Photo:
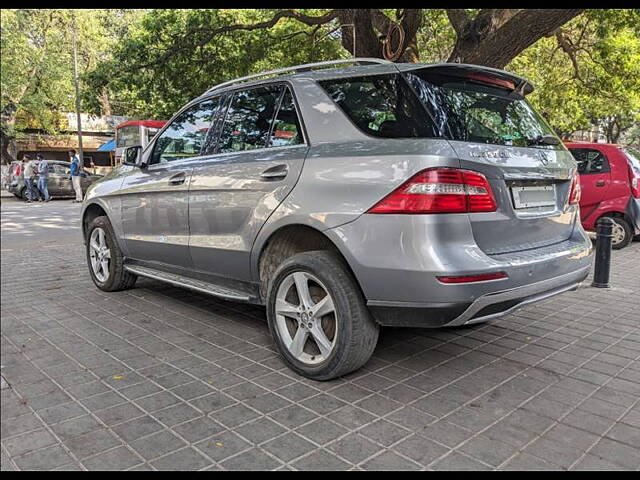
(77, 85)
(604, 230)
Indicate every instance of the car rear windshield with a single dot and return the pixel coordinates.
(437, 105)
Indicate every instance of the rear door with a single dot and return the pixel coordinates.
(59, 184)
(155, 208)
(494, 131)
(254, 165)
(595, 178)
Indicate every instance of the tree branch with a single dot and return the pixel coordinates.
(211, 33)
(459, 19)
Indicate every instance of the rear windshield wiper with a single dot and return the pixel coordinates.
(543, 140)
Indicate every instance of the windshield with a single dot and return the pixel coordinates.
(473, 112)
(128, 136)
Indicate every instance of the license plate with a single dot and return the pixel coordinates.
(530, 197)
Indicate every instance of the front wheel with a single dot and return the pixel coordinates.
(318, 317)
(105, 259)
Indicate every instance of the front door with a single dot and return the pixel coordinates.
(257, 161)
(155, 207)
(595, 178)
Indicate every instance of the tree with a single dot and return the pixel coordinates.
(588, 73)
(489, 37)
(146, 73)
(37, 80)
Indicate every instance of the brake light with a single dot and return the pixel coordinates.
(488, 80)
(575, 192)
(17, 174)
(483, 277)
(440, 190)
(634, 182)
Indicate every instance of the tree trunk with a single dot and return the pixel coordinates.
(495, 37)
(7, 148)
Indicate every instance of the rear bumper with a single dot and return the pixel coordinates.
(397, 261)
(486, 307)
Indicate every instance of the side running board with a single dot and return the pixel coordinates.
(186, 282)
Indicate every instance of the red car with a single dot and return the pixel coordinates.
(610, 184)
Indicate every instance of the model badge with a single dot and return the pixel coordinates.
(494, 154)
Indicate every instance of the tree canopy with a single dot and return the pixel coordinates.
(147, 63)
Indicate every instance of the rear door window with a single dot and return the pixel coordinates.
(590, 161)
(249, 119)
(381, 106)
(286, 127)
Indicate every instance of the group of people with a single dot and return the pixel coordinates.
(40, 167)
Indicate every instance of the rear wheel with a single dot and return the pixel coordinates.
(105, 259)
(622, 233)
(318, 317)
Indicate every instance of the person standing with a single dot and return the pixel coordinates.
(75, 175)
(43, 177)
(28, 177)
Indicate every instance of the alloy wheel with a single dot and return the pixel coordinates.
(618, 233)
(100, 254)
(306, 318)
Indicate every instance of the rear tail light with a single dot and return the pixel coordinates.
(483, 277)
(575, 191)
(17, 174)
(440, 190)
(634, 182)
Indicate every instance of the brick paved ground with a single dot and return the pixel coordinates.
(163, 378)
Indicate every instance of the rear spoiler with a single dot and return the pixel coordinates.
(475, 73)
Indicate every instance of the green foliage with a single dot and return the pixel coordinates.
(37, 61)
(165, 84)
(602, 86)
(125, 69)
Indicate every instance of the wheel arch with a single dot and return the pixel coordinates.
(90, 212)
(290, 240)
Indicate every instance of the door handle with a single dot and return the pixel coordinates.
(273, 173)
(600, 183)
(177, 179)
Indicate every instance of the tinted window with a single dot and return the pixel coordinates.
(381, 106)
(590, 161)
(286, 128)
(249, 119)
(186, 134)
(464, 110)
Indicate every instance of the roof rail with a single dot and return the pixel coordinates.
(301, 68)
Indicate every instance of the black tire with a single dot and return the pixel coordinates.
(119, 278)
(357, 332)
(23, 194)
(628, 232)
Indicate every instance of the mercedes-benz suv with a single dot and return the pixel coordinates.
(346, 197)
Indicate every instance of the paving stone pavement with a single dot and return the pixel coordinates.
(162, 378)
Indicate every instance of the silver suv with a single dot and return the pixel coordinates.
(348, 198)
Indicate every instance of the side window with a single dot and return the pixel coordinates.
(59, 169)
(186, 134)
(381, 106)
(286, 128)
(590, 161)
(249, 119)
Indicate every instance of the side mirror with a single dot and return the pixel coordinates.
(132, 156)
